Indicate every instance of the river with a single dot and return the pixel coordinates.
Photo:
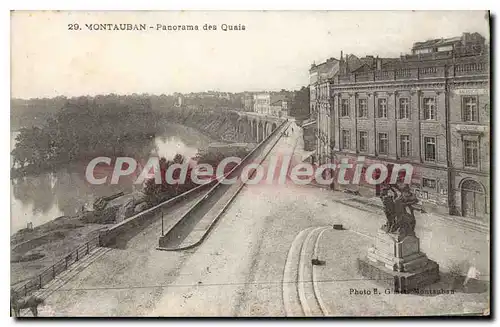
(41, 198)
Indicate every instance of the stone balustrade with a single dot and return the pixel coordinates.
(452, 70)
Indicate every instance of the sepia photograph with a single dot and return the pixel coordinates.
(250, 164)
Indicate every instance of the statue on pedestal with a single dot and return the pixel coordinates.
(395, 260)
(399, 211)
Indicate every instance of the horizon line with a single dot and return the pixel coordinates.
(150, 94)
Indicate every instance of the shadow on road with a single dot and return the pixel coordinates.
(451, 282)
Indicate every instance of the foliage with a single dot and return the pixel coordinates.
(156, 193)
(83, 128)
(300, 104)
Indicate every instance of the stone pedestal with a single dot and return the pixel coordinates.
(398, 263)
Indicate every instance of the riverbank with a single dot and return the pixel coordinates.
(36, 249)
(217, 124)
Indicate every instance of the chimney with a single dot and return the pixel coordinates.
(379, 63)
(370, 61)
(341, 55)
(466, 37)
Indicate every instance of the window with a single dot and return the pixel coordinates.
(346, 139)
(382, 108)
(363, 141)
(404, 108)
(469, 109)
(471, 150)
(383, 143)
(430, 148)
(429, 108)
(345, 108)
(429, 183)
(405, 146)
(362, 108)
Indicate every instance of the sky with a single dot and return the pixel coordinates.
(274, 51)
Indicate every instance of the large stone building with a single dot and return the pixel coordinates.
(430, 109)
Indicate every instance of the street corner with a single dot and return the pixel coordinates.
(337, 277)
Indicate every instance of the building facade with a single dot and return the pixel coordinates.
(279, 108)
(321, 101)
(430, 109)
(321, 105)
(271, 104)
(248, 104)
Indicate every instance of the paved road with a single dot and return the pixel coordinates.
(238, 269)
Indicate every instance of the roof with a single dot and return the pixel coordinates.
(353, 62)
(279, 102)
(369, 63)
(436, 43)
(390, 62)
(325, 70)
(277, 98)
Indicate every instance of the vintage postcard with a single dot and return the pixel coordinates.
(250, 164)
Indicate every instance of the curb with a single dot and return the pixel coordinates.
(455, 221)
(310, 308)
(290, 277)
(300, 296)
(317, 293)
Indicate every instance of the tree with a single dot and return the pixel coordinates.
(300, 103)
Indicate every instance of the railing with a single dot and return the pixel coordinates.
(476, 68)
(51, 272)
(384, 75)
(428, 71)
(462, 51)
(431, 72)
(103, 239)
(470, 69)
(403, 73)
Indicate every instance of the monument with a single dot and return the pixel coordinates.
(395, 260)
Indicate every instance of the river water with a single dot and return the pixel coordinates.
(41, 198)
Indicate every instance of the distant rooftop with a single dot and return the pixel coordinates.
(468, 44)
(436, 43)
